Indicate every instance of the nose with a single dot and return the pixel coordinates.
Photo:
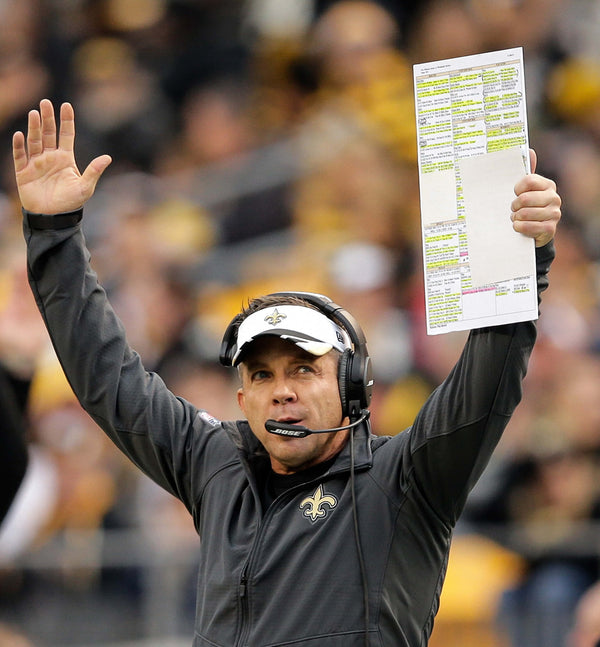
(283, 391)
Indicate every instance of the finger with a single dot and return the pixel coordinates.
(34, 133)
(550, 212)
(92, 173)
(19, 153)
(532, 160)
(48, 125)
(542, 232)
(532, 183)
(531, 200)
(66, 135)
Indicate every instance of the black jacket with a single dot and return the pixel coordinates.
(290, 575)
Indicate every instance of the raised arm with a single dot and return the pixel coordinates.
(458, 428)
(48, 179)
(158, 431)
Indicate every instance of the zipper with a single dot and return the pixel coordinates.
(244, 611)
(243, 595)
(243, 583)
(244, 577)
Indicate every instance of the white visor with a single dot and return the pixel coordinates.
(307, 328)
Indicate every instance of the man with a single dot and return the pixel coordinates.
(334, 539)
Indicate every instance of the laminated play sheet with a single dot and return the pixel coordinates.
(473, 147)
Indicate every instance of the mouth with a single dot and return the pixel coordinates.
(290, 421)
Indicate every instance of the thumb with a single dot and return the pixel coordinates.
(94, 170)
(532, 160)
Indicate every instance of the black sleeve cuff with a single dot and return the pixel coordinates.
(546, 253)
(57, 221)
(543, 259)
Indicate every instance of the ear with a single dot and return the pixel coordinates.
(241, 400)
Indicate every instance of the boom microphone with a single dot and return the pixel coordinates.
(298, 431)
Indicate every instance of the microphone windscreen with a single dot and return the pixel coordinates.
(282, 429)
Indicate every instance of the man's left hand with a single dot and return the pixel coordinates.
(536, 209)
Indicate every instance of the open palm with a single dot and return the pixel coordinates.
(48, 179)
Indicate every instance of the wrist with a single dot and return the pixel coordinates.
(54, 221)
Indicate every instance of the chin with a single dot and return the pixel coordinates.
(290, 454)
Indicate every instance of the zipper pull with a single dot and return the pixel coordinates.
(243, 586)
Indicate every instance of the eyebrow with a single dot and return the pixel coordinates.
(255, 360)
(301, 357)
(253, 364)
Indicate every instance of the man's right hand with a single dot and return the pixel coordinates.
(48, 179)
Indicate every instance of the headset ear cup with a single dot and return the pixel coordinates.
(343, 380)
(366, 382)
(229, 341)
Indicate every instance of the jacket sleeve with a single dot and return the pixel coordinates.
(456, 431)
(160, 433)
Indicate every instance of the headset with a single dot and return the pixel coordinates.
(355, 373)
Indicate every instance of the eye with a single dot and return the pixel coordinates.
(259, 375)
(305, 368)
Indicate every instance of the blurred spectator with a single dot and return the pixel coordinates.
(217, 149)
(200, 381)
(543, 503)
(442, 29)
(12, 637)
(23, 76)
(13, 451)
(586, 627)
(120, 102)
(363, 73)
(576, 157)
(573, 89)
(72, 481)
(364, 277)
(21, 339)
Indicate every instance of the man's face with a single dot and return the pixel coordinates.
(283, 382)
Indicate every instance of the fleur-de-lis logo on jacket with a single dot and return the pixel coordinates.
(275, 317)
(315, 506)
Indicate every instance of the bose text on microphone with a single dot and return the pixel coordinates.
(299, 431)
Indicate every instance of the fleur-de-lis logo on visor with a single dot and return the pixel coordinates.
(315, 506)
(275, 317)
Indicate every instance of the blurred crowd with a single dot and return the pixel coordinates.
(270, 144)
